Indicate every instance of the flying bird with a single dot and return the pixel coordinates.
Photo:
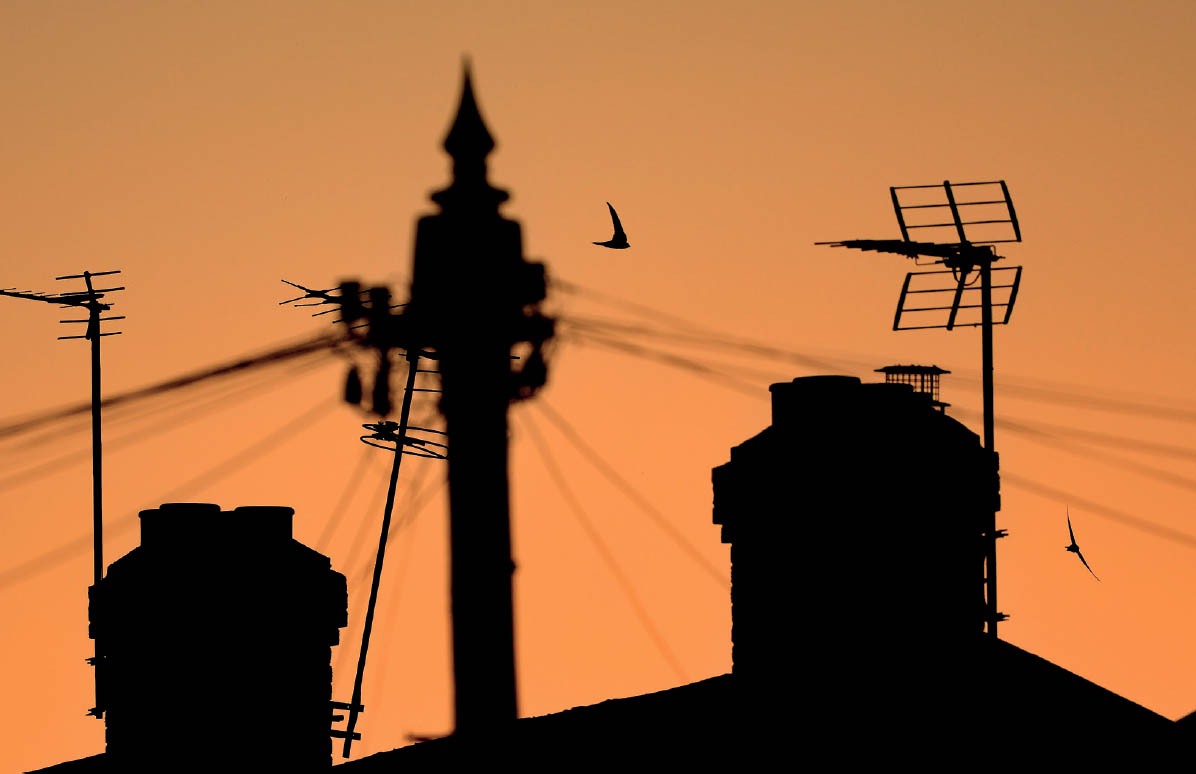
(1075, 549)
(619, 240)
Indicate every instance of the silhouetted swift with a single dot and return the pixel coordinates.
(619, 240)
(1075, 549)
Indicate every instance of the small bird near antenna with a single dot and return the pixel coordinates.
(1075, 549)
(619, 240)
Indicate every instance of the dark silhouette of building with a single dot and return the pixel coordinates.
(857, 525)
(855, 522)
(215, 637)
(857, 618)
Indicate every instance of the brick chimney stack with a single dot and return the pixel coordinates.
(215, 637)
(855, 522)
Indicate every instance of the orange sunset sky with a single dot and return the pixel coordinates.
(210, 149)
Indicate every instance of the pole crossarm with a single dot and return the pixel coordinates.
(956, 255)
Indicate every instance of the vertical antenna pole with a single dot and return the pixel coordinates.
(986, 370)
(90, 300)
(97, 469)
(97, 457)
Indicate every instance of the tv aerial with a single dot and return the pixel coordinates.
(89, 299)
(963, 236)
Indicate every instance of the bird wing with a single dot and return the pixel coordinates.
(1069, 530)
(614, 216)
(1085, 561)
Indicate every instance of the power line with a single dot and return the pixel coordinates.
(1149, 471)
(676, 361)
(1041, 433)
(185, 415)
(1019, 387)
(575, 326)
(338, 511)
(1133, 521)
(604, 552)
(1167, 533)
(392, 609)
(78, 546)
(627, 489)
(1086, 436)
(711, 340)
(1029, 431)
(418, 502)
(129, 413)
(1097, 402)
(271, 356)
(363, 528)
(572, 288)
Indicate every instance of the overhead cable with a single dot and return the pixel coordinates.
(627, 489)
(604, 552)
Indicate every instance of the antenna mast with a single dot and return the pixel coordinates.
(89, 299)
(967, 251)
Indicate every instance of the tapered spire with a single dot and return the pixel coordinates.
(469, 142)
(468, 138)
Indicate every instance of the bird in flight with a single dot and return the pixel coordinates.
(1075, 549)
(619, 240)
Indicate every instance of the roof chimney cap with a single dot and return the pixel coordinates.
(923, 379)
(172, 522)
(263, 522)
(792, 399)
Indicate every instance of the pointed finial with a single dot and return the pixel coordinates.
(468, 138)
(468, 142)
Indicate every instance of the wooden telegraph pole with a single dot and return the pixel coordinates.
(473, 299)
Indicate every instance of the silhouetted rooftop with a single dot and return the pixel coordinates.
(708, 723)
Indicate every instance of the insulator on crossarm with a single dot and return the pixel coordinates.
(532, 376)
(353, 387)
(350, 298)
(381, 394)
(379, 302)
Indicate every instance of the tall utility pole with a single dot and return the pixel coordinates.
(473, 298)
(966, 249)
(89, 299)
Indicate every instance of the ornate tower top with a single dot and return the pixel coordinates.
(469, 143)
(468, 137)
